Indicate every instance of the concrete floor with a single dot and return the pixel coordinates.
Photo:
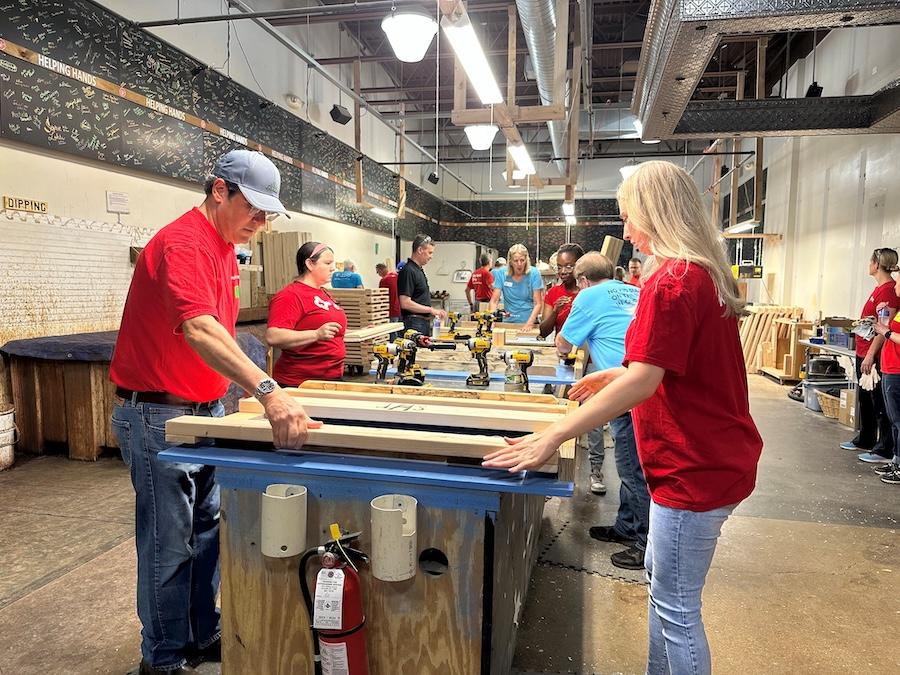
(804, 579)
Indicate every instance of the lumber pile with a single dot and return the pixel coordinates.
(279, 257)
(781, 355)
(364, 307)
(361, 354)
(756, 328)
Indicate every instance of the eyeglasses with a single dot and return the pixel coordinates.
(565, 267)
(254, 212)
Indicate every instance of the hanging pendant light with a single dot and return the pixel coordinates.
(410, 34)
(481, 136)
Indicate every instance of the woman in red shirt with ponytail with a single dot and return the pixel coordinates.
(684, 381)
(306, 323)
(890, 386)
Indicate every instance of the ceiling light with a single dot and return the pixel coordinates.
(628, 169)
(481, 136)
(568, 208)
(520, 156)
(570, 220)
(472, 58)
(650, 141)
(384, 213)
(517, 175)
(410, 34)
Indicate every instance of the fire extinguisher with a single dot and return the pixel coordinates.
(337, 617)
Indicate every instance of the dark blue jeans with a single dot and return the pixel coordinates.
(633, 518)
(419, 323)
(890, 387)
(176, 535)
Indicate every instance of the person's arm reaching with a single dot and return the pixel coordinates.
(538, 300)
(637, 384)
(212, 342)
(410, 305)
(495, 301)
(285, 338)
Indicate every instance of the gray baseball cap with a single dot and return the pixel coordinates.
(256, 176)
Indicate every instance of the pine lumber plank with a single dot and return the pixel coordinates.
(256, 428)
(303, 394)
(26, 393)
(326, 385)
(418, 412)
(52, 400)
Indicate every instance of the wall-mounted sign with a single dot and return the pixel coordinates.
(117, 202)
(22, 204)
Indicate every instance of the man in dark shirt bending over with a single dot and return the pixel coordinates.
(412, 287)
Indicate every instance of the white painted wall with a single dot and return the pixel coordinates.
(450, 256)
(834, 198)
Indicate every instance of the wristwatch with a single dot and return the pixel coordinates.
(267, 386)
(887, 335)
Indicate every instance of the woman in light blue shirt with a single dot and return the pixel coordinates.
(520, 287)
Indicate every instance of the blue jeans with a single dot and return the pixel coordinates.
(419, 323)
(596, 450)
(176, 535)
(890, 388)
(633, 518)
(679, 552)
(393, 336)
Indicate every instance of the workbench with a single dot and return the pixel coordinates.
(477, 536)
(63, 395)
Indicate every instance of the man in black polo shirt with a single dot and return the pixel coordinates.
(412, 287)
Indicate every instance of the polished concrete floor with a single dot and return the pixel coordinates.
(804, 579)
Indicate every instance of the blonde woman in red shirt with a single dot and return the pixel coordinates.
(684, 381)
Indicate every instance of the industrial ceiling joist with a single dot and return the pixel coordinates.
(681, 37)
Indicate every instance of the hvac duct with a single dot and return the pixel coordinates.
(538, 19)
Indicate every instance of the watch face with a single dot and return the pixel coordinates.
(265, 387)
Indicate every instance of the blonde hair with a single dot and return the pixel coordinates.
(886, 259)
(662, 201)
(518, 249)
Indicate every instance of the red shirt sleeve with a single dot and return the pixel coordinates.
(191, 282)
(886, 293)
(663, 328)
(470, 285)
(285, 310)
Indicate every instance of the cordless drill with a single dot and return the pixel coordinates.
(480, 346)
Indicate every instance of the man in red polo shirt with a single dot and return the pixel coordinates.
(481, 283)
(175, 355)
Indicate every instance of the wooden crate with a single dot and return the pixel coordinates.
(364, 307)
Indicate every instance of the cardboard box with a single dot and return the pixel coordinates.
(847, 412)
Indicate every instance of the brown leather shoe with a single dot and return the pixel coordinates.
(147, 669)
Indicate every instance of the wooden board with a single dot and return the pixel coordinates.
(255, 428)
(25, 391)
(86, 416)
(421, 412)
(528, 406)
(428, 390)
(52, 401)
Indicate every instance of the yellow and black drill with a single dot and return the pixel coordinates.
(405, 349)
(523, 358)
(480, 346)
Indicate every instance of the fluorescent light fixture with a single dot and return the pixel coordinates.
(481, 136)
(628, 169)
(737, 228)
(410, 34)
(568, 208)
(472, 58)
(650, 141)
(520, 156)
(384, 213)
(638, 127)
(517, 175)
(570, 220)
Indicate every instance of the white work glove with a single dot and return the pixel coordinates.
(870, 380)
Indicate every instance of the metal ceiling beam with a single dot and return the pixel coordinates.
(379, 58)
(682, 36)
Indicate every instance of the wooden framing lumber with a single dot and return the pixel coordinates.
(327, 385)
(362, 334)
(256, 428)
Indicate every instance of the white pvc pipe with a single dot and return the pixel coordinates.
(394, 541)
(283, 521)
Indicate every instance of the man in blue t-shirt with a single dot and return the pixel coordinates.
(348, 278)
(600, 315)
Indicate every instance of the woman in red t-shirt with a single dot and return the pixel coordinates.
(684, 381)
(306, 323)
(890, 387)
(875, 438)
(558, 300)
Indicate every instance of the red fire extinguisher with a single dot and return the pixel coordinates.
(337, 616)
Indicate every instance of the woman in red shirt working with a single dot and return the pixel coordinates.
(685, 383)
(875, 438)
(558, 300)
(890, 386)
(306, 323)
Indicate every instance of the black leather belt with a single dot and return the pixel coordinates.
(161, 397)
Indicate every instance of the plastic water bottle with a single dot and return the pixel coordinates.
(513, 380)
(883, 315)
(436, 328)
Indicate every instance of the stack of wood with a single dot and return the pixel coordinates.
(364, 307)
(279, 258)
(756, 329)
(781, 355)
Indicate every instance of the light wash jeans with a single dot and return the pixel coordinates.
(680, 549)
(633, 517)
(176, 535)
(596, 450)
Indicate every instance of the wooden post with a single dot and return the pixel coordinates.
(511, 59)
(758, 157)
(562, 51)
(459, 86)
(357, 132)
(574, 114)
(735, 159)
(717, 186)
(401, 190)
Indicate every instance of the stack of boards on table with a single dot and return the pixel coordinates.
(452, 425)
(360, 343)
(364, 307)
